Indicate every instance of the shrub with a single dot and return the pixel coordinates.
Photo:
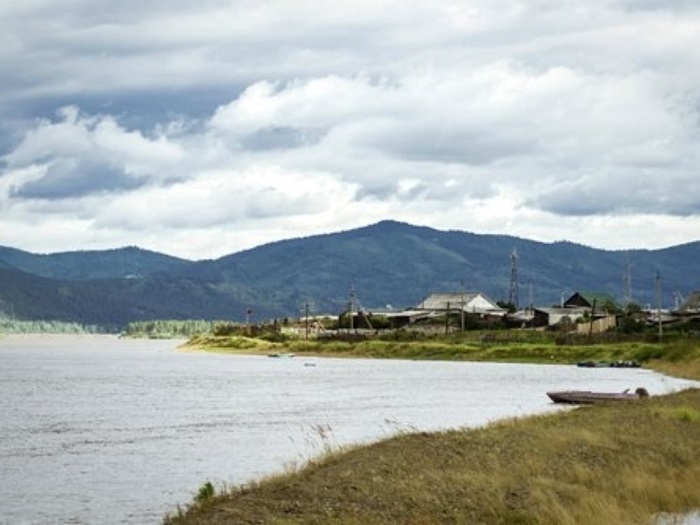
(205, 493)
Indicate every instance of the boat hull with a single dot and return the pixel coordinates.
(608, 364)
(586, 397)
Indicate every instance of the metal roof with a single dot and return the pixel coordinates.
(475, 302)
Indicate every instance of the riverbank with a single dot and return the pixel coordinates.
(618, 463)
(604, 464)
(678, 357)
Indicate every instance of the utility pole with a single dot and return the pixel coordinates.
(350, 309)
(306, 320)
(447, 319)
(461, 311)
(532, 302)
(658, 304)
(590, 326)
(248, 315)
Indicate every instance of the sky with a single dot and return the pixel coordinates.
(200, 129)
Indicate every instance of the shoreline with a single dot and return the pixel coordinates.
(684, 361)
(592, 452)
(610, 463)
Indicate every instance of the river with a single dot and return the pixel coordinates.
(101, 430)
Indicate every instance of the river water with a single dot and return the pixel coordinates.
(101, 430)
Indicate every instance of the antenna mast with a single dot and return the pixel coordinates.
(627, 283)
(513, 290)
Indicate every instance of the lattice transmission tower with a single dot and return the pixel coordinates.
(627, 284)
(513, 289)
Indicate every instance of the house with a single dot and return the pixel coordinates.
(547, 317)
(467, 302)
(521, 319)
(600, 302)
(403, 318)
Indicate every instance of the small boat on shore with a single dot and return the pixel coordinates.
(283, 355)
(608, 364)
(625, 364)
(587, 397)
(593, 364)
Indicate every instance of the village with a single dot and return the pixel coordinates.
(581, 313)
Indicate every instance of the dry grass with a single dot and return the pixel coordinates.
(616, 464)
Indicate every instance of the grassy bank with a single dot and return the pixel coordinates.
(615, 463)
(605, 464)
(524, 348)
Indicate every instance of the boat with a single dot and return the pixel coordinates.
(625, 364)
(608, 364)
(593, 364)
(587, 397)
(281, 355)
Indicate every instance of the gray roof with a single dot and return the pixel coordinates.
(469, 301)
(440, 301)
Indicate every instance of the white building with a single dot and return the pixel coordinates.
(468, 302)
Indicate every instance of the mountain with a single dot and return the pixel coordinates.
(388, 263)
(88, 265)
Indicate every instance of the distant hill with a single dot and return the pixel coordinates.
(388, 263)
(88, 265)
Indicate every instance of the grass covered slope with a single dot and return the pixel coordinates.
(616, 463)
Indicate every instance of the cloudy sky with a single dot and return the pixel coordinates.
(199, 129)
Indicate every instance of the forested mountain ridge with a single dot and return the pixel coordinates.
(94, 264)
(388, 263)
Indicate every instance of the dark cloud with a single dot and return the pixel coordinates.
(379, 190)
(281, 138)
(66, 179)
(135, 109)
(578, 203)
(623, 194)
(454, 145)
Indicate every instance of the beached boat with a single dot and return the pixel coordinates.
(607, 364)
(593, 364)
(587, 397)
(625, 364)
(280, 355)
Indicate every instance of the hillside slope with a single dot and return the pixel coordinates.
(388, 263)
(86, 265)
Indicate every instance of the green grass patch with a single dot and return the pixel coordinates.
(688, 414)
(682, 350)
(490, 346)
